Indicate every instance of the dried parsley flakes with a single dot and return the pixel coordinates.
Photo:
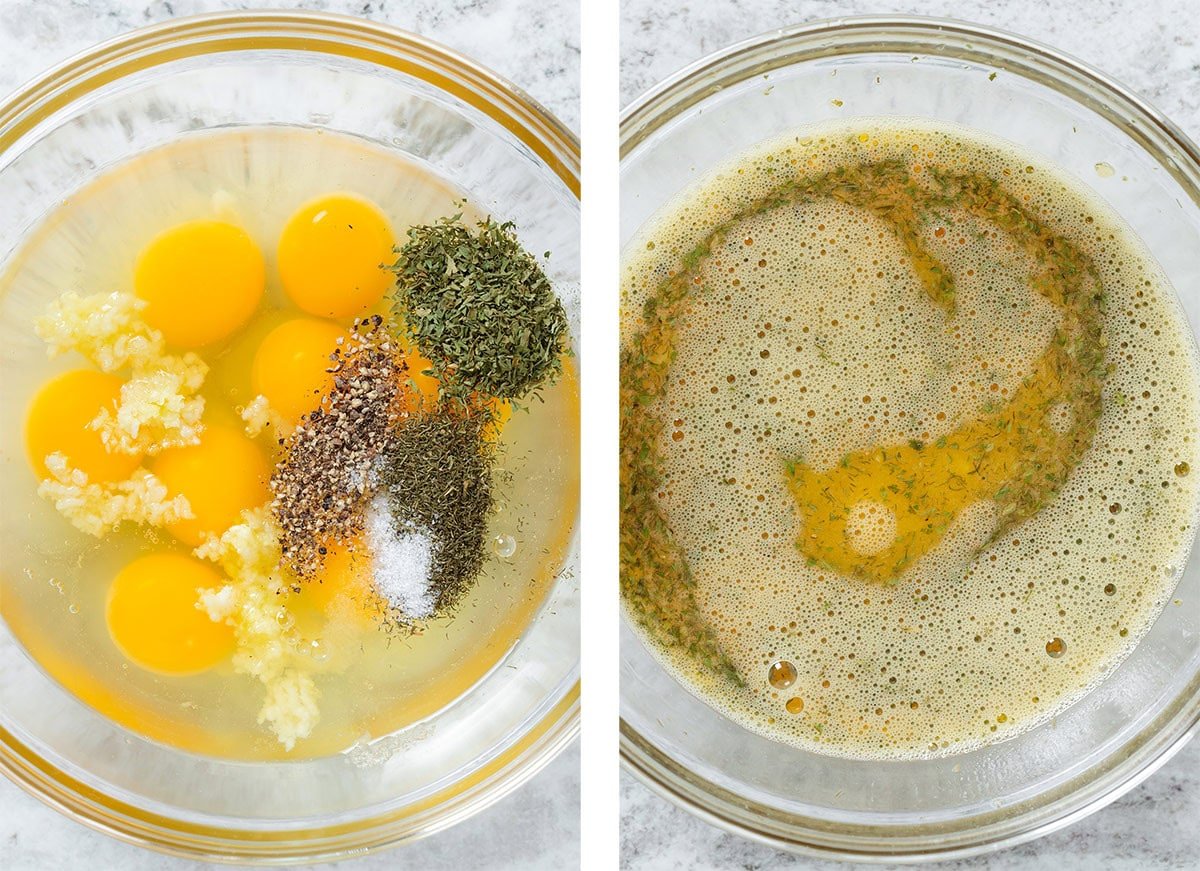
(480, 308)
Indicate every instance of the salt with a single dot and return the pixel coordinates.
(402, 558)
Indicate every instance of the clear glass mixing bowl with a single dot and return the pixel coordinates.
(401, 91)
(1118, 734)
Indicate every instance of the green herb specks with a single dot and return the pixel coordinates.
(480, 308)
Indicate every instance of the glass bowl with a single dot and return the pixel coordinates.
(1118, 734)
(512, 158)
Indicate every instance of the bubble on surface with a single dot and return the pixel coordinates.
(871, 527)
(504, 545)
(781, 675)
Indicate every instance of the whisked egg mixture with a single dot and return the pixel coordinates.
(909, 439)
(196, 296)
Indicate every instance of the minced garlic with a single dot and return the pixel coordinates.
(159, 405)
(158, 408)
(247, 548)
(96, 508)
(107, 328)
(291, 706)
(251, 603)
(258, 415)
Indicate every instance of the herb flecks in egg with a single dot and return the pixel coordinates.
(1010, 453)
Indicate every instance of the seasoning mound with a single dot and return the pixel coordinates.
(401, 560)
(438, 476)
(320, 487)
(479, 306)
(362, 471)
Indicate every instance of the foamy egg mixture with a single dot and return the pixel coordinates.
(255, 505)
(909, 439)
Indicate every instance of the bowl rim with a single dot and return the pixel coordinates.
(332, 33)
(558, 148)
(1152, 130)
(638, 115)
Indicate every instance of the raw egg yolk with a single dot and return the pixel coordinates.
(290, 365)
(344, 585)
(201, 280)
(59, 418)
(220, 477)
(501, 410)
(423, 389)
(154, 620)
(331, 256)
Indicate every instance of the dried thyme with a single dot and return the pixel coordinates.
(480, 308)
(437, 476)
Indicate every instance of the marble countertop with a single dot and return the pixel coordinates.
(1145, 45)
(536, 45)
(533, 43)
(1152, 46)
(1151, 828)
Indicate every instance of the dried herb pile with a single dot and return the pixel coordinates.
(438, 476)
(480, 308)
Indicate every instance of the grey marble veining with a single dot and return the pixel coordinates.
(534, 829)
(1155, 826)
(1152, 47)
(536, 45)
(533, 43)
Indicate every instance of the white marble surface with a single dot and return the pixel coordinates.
(534, 829)
(536, 45)
(1153, 47)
